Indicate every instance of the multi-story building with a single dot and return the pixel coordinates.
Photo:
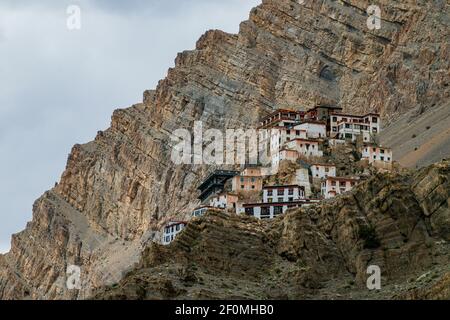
(242, 183)
(322, 112)
(271, 210)
(347, 126)
(332, 186)
(375, 153)
(284, 154)
(283, 193)
(227, 201)
(281, 118)
(313, 129)
(215, 183)
(305, 147)
(323, 170)
(200, 211)
(171, 230)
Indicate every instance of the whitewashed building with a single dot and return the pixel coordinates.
(374, 153)
(171, 230)
(200, 211)
(284, 154)
(283, 193)
(349, 127)
(313, 129)
(280, 118)
(271, 210)
(227, 201)
(302, 180)
(333, 186)
(305, 147)
(323, 170)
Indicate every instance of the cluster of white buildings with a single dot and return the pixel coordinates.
(293, 136)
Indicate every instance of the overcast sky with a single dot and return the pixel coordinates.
(59, 87)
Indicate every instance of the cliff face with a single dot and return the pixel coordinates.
(400, 223)
(118, 190)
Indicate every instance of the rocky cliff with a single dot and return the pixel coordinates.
(399, 222)
(118, 190)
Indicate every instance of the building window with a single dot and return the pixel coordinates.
(280, 200)
(374, 120)
(265, 211)
(291, 199)
(242, 186)
(280, 192)
(249, 211)
(253, 186)
(277, 210)
(334, 119)
(291, 192)
(297, 132)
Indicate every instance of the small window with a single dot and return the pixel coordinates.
(277, 210)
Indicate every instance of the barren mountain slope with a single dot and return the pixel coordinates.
(400, 223)
(420, 139)
(118, 190)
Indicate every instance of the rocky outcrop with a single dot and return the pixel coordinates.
(118, 190)
(317, 252)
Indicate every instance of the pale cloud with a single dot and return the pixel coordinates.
(58, 88)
